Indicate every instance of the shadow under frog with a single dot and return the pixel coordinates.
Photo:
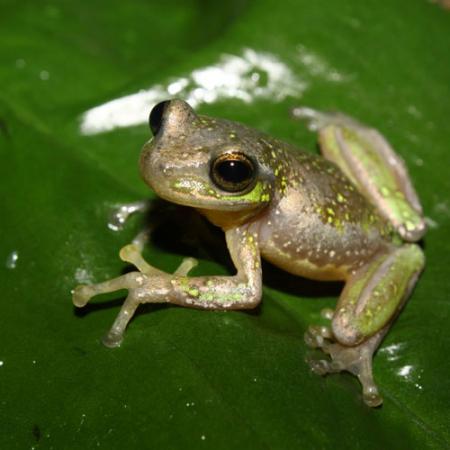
(199, 239)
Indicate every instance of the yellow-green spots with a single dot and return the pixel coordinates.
(251, 242)
(193, 292)
(347, 134)
(340, 198)
(224, 297)
(409, 225)
(265, 197)
(187, 288)
(278, 169)
(274, 155)
(265, 143)
(235, 296)
(330, 211)
(206, 297)
(385, 191)
(232, 135)
(406, 214)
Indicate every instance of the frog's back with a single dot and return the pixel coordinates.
(318, 224)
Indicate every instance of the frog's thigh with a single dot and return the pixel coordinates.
(368, 160)
(375, 293)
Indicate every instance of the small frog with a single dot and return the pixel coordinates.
(351, 214)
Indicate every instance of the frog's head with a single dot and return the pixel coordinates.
(214, 165)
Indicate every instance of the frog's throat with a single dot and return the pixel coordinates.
(229, 219)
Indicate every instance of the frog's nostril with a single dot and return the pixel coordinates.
(156, 116)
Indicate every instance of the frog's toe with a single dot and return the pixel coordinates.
(323, 366)
(312, 340)
(319, 366)
(112, 340)
(327, 313)
(130, 253)
(316, 336)
(371, 396)
(81, 295)
(186, 266)
(315, 119)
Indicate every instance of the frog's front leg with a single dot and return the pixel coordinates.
(372, 297)
(150, 285)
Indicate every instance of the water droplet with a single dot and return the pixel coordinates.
(405, 371)
(83, 276)
(11, 260)
(44, 75)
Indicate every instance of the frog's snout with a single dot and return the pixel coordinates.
(152, 167)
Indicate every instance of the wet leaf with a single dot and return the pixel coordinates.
(186, 378)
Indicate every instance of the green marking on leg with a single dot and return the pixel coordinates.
(371, 300)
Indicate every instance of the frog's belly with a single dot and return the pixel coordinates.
(302, 266)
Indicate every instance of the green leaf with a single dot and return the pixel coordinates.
(186, 378)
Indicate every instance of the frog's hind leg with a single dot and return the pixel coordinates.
(368, 160)
(372, 297)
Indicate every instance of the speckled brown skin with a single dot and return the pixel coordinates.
(319, 225)
(309, 217)
(300, 212)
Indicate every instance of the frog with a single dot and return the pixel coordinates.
(350, 214)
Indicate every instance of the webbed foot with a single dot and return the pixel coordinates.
(139, 285)
(356, 359)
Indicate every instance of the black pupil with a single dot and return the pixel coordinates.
(156, 116)
(234, 171)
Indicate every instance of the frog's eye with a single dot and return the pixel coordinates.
(156, 116)
(233, 172)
